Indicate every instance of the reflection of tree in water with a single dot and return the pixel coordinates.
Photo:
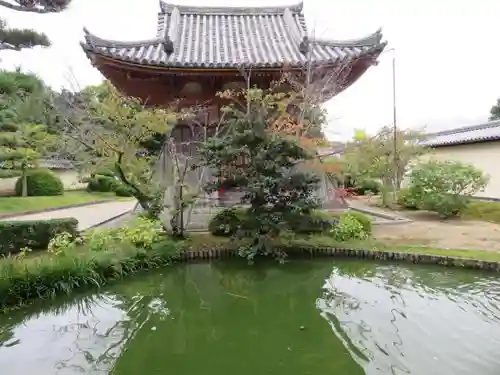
(92, 330)
(383, 314)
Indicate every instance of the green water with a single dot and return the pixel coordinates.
(343, 318)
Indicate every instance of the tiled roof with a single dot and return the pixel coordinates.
(52, 163)
(489, 131)
(224, 37)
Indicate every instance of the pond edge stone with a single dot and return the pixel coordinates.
(324, 252)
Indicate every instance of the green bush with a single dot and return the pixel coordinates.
(102, 184)
(445, 187)
(35, 234)
(348, 228)
(40, 182)
(317, 222)
(324, 221)
(406, 200)
(226, 222)
(92, 261)
(366, 186)
(122, 191)
(363, 219)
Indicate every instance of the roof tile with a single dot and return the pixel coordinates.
(209, 37)
(489, 131)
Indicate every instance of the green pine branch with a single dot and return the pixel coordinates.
(35, 6)
(18, 39)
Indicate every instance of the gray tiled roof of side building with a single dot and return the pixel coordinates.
(54, 163)
(224, 37)
(489, 131)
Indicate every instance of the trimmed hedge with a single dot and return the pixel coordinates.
(40, 183)
(102, 184)
(35, 234)
(122, 191)
(366, 186)
(107, 184)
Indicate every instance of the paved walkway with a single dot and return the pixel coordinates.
(87, 216)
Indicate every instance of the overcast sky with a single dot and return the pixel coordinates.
(446, 53)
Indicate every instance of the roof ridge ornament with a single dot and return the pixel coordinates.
(304, 45)
(171, 31)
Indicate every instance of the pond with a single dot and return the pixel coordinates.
(313, 317)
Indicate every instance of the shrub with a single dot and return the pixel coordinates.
(348, 228)
(363, 219)
(35, 234)
(317, 222)
(45, 277)
(366, 186)
(226, 222)
(445, 187)
(141, 232)
(103, 184)
(324, 221)
(40, 182)
(406, 200)
(122, 191)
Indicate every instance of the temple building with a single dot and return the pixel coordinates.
(199, 51)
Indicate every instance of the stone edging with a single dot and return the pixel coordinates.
(193, 255)
(391, 219)
(76, 205)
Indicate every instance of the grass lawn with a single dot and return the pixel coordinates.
(12, 205)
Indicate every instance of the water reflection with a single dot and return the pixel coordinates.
(404, 321)
(216, 319)
(86, 336)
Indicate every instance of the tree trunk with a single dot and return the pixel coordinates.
(387, 186)
(24, 183)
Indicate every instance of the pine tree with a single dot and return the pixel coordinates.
(266, 166)
(17, 39)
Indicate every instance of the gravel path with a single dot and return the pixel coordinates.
(428, 230)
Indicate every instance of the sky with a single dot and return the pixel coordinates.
(445, 54)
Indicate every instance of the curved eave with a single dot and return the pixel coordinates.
(374, 39)
(104, 53)
(93, 41)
